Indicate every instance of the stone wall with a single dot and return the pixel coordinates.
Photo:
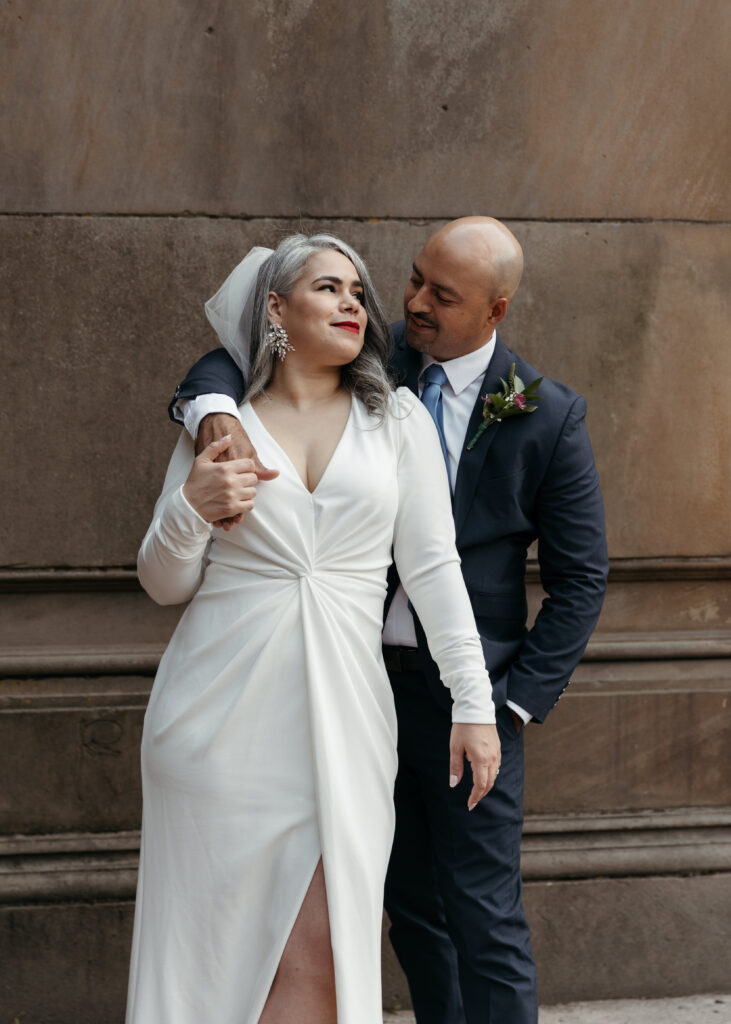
(145, 147)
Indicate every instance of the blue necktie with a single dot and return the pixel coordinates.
(434, 377)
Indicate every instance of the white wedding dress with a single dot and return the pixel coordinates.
(270, 736)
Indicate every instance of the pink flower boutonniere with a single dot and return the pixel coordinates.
(514, 400)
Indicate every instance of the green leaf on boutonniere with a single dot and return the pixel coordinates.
(515, 399)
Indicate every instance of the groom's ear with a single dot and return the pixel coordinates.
(498, 309)
(274, 307)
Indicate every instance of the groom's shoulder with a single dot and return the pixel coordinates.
(399, 349)
(398, 332)
(401, 355)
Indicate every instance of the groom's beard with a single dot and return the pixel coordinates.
(422, 340)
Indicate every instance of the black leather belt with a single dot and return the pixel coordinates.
(402, 659)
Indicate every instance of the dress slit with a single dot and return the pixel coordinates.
(288, 934)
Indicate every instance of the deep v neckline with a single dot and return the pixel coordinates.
(292, 466)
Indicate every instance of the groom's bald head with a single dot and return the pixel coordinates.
(491, 248)
(462, 282)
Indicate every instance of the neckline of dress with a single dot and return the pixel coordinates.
(335, 450)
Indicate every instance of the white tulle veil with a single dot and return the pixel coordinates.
(230, 310)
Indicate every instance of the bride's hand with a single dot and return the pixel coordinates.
(480, 744)
(218, 490)
(212, 428)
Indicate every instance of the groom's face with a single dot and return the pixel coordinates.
(447, 305)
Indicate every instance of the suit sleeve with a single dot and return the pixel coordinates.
(572, 557)
(214, 373)
(428, 564)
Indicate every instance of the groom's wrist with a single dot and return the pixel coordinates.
(519, 715)
(213, 427)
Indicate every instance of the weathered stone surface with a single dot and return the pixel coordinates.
(78, 620)
(633, 735)
(100, 317)
(71, 758)
(634, 317)
(576, 108)
(65, 963)
(630, 938)
(666, 606)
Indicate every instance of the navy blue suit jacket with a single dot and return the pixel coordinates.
(529, 477)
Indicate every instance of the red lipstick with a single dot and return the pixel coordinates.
(349, 325)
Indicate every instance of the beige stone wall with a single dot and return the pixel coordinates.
(144, 148)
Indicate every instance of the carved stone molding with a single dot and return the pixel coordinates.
(61, 868)
(142, 659)
(687, 841)
(55, 580)
(622, 570)
(96, 660)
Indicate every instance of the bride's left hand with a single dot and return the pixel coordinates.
(480, 744)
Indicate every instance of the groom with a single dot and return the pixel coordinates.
(453, 891)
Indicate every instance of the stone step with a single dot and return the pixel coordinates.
(708, 1009)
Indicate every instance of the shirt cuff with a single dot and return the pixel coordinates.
(521, 712)
(190, 411)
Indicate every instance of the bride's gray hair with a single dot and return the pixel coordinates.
(367, 375)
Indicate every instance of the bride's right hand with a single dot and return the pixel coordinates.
(218, 490)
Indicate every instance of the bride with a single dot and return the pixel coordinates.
(269, 746)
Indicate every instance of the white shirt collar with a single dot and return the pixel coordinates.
(464, 370)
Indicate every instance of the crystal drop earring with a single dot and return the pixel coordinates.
(278, 340)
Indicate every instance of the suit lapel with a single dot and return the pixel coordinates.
(471, 462)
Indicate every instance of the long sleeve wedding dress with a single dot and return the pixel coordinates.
(270, 737)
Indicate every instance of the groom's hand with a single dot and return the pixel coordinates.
(480, 744)
(217, 425)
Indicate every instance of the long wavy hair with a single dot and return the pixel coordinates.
(367, 375)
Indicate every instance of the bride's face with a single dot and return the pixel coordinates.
(323, 314)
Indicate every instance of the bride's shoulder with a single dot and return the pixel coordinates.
(399, 403)
(406, 408)
(403, 412)
(407, 417)
(402, 402)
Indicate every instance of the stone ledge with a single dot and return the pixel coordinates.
(121, 659)
(93, 578)
(698, 1009)
(89, 867)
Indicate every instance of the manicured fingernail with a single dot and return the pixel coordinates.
(226, 437)
(453, 780)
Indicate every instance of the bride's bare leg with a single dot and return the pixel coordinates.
(304, 987)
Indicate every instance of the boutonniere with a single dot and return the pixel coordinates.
(514, 400)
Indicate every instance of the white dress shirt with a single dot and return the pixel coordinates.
(190, 411)
(459, 394)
